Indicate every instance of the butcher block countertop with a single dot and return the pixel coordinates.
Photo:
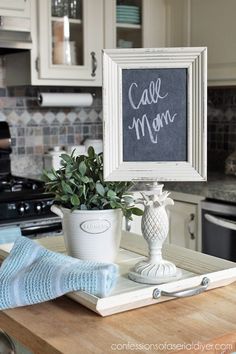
(64, 326)
(206, 322)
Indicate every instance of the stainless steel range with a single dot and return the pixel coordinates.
(23, 201)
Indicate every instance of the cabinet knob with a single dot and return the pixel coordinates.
(22, 208)
(94, 64)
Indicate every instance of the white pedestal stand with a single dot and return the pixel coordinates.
(155, 228)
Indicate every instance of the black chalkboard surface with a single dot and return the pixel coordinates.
(154, 103)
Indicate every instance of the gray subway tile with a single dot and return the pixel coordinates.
(54, 130)
(29, 150)
(70, 139)
(46, 130)
(21, 150)
(70, 130)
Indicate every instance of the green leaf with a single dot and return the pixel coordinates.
(77, 176)
(85, 179)
(136, 211)
(64, 198)
(79, 191)
(128, 213)
(100, 176)
(84, 190)
(111, 194)
(66, 188)
(118, 205)
(100, 189)
(73, 152)
(82, 168)
(66, 158)
(49, 175)
(91, 152)
(114, 204)
(94, 198)
(128, 200)
(74, 199)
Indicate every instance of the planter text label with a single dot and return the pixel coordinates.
(95, 226)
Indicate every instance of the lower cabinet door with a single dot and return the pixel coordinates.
(183, 225)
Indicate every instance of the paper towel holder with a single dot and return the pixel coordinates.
(40, 95)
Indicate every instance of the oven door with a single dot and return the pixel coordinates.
(41, 230)
(38, 228)
(219, 230)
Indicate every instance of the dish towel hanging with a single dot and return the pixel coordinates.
(32, 274)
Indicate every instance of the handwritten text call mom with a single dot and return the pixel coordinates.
(145, 125)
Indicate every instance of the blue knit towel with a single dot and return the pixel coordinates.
(33, 274)
(9, 234)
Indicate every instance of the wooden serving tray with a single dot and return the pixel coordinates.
(128, 294)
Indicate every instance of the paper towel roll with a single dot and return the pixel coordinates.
(65, 99)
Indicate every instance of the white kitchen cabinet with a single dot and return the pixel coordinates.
(67, 45)
(70, 42)
(148, 31)
(14, 16)
(15, 8)
(183, 224)
(209, 23)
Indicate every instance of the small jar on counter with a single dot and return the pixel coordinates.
(52, 158)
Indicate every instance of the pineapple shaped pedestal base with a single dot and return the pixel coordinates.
(155, 228)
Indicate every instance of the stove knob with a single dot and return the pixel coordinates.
(39, 207)
(21, 208)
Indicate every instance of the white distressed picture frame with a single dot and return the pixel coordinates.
(195, 61)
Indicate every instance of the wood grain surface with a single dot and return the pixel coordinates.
(63, 326)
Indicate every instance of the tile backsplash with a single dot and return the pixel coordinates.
(221, 126)
(35, 130)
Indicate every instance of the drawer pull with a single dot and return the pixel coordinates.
(191, 226)
(157, 293)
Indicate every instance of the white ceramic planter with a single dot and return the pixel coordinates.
(91, 234)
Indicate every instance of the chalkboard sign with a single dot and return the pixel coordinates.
(154, 110)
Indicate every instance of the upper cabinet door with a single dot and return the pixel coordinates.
(15, 8)
(209, 23)
(213, 25)
(70, 40)
(134, 23)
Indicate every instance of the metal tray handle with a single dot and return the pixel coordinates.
(157, 293)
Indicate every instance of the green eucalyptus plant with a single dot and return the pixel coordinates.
(79, 185)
